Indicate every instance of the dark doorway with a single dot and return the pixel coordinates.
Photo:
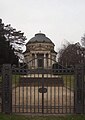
(40, 60)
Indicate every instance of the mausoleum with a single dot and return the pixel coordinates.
(40, 52)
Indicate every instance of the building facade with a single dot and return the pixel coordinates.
(40, 52)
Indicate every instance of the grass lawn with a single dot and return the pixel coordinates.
(49, 117)
(69, 81)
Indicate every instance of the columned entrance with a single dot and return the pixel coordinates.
(41, 60)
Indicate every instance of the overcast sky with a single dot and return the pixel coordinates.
(60, 20)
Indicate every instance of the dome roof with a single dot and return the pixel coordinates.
(40, 38)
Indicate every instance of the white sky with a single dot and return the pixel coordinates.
(60, 20)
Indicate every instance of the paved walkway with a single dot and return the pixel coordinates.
(27, 98)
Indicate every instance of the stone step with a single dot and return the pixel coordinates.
(57, 81)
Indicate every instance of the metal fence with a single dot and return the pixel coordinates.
(45, 91)
(42, 92)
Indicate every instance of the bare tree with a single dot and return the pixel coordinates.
(83, 41)
(71, 55)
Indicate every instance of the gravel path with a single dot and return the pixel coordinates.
(28, 99)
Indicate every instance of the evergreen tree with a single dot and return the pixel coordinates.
(16, 39)
(7, 55)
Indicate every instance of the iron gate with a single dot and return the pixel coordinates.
(56, 90)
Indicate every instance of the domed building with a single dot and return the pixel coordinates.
(40, 52)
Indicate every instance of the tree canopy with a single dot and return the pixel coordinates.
(16, 39)
(72, 54)
(83, 40)
(11, 44)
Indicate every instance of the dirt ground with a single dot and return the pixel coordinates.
(29, 99)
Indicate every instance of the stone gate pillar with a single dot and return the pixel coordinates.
(7, 89)
(79, 89)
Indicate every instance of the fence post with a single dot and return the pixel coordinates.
(79, 89)
(7, 89)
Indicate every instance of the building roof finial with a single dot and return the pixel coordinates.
(39, 31)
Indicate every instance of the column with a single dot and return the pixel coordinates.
(30, 60)
(52, 59)
(49, 60)
(36, 61)
(45, 61)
